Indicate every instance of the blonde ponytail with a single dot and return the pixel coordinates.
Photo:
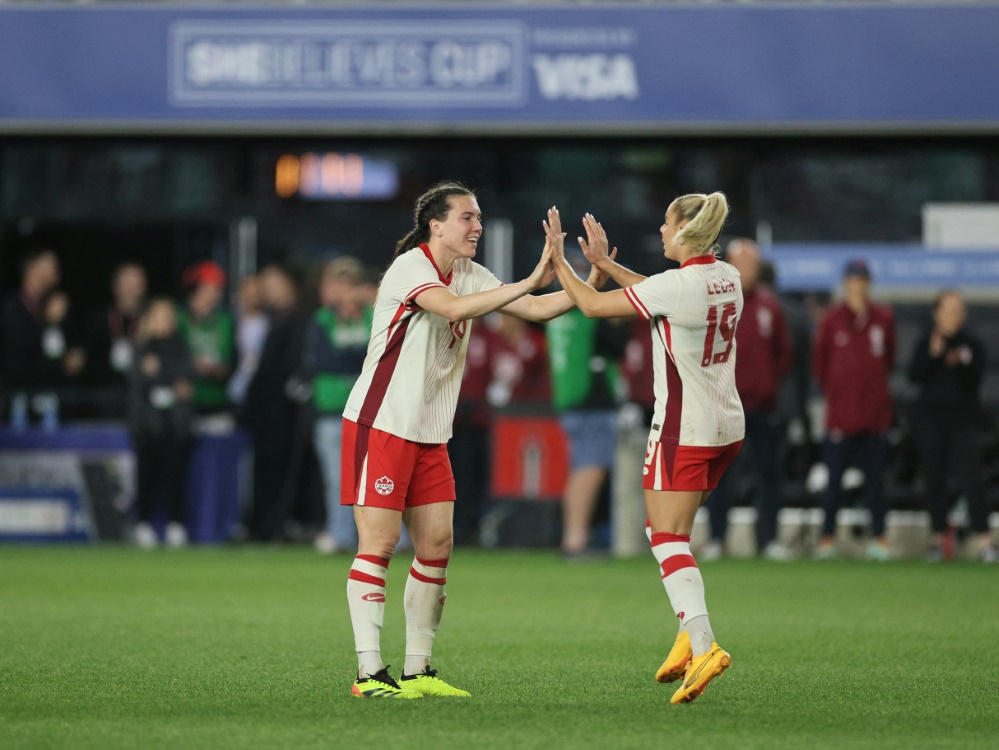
(704, 216)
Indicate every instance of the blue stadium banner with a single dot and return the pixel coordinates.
(469, 68)
(910, 268)
(42, 515)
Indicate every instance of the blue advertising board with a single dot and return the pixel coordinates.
(461, 68)
(29, 514)
(910, 268)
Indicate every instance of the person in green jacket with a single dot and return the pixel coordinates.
(336, 342)
(210, 333)
(583, 355)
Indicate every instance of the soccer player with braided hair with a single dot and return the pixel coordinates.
(398, 418)
(698, 423)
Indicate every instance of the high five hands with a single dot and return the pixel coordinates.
(594, 247)
(544, 272)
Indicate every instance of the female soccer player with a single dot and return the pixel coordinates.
(397, 421)
(698, 423)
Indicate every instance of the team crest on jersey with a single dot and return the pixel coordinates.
(384, 486)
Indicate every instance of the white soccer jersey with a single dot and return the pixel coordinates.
(693, 312)
(412, 373)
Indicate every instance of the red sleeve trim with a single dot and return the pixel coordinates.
(637, 303)
(419, 290)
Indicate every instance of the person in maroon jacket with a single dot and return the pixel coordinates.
(852, 358)
(518, 364)
(763, 341)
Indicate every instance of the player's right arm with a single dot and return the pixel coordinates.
(592, 303)
(595, 248)
(454, 307)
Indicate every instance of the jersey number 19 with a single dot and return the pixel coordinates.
(721, 325)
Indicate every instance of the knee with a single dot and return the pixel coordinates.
(379, 544)
(437, 546)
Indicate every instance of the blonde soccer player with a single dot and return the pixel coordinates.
(398, 419)
(698, 423)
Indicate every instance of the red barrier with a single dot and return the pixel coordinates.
(530, 458)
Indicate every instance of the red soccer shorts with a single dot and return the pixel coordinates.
(384, 471)
(686, 468)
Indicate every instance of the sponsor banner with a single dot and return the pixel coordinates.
(42, 515)
(736, 68)
(95, 466)
(819, 267)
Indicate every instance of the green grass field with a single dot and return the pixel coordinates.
(251, 648)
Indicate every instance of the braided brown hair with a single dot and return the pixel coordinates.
(433, 204)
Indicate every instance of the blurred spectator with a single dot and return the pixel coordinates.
(336, 342)
(41, 348)
(27, 366)
(637, 371)
(368, 287)
(948, 363)
(209, 331)
(852, 358)
(506, 365)
(763, 359)
(251, 332)
(271, 408)
(582, 354)
(111, 340)
(160, 416)
(469, 447)
(518, 364)
(62, 340)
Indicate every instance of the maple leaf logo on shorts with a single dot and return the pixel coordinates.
(384, 486)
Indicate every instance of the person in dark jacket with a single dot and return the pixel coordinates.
(161, 413)
(765, 355)
(947, 364)
(112, 336)
(271, 409)
(852, 359)
(40, 351)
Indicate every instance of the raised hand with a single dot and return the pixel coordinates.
(543, 274)
(595, 246)
(597, 277)
(554, 233)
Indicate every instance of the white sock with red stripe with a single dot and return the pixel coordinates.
(366, 599)
(424, 604)
(685, 587)
(648, 533)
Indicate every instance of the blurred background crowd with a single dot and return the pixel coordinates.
(848, 400)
